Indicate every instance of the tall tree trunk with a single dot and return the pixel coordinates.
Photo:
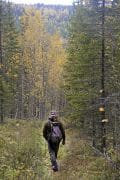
(103, 126)
(1, 64)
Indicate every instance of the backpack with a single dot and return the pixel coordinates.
(56, 134)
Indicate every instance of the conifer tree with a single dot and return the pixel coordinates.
(83, 55)
(84, 67)
(1, 66)
(9, 60)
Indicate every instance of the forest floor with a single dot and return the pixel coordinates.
(24, 155)
(78, 161)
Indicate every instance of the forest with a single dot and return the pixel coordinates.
(63, 58)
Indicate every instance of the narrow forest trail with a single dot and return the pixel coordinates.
(78, 161)
(24, 155)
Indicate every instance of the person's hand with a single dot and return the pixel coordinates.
(63, 142)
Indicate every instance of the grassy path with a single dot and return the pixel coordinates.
(24, 155)
(78, 161)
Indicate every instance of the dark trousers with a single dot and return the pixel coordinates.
(53, 150)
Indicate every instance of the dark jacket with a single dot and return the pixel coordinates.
(47, 130)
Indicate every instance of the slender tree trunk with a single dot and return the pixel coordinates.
(43, 101)
(1, 64)
(19, 111)
(103, 126)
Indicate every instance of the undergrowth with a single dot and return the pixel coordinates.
(24, 155)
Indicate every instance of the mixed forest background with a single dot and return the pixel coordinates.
(32, 58)
(65, 58)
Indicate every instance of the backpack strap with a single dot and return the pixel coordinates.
(50, 124)
(53, 124)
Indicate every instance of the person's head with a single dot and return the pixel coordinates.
(53, 116)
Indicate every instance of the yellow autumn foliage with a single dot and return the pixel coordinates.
(43, 54)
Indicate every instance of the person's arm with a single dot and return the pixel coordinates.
(63, 133)
(45, 131)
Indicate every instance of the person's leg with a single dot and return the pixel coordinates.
(52, 148)
(56, 149)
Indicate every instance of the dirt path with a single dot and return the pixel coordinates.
(77, 161)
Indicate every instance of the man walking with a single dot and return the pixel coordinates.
(54, 132)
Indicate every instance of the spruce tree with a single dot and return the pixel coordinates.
(9, 61)
(86, 69)
(1, 66)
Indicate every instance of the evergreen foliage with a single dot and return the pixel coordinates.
(10, 53)
(84, 73)
(33, 62)
(82, 78)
